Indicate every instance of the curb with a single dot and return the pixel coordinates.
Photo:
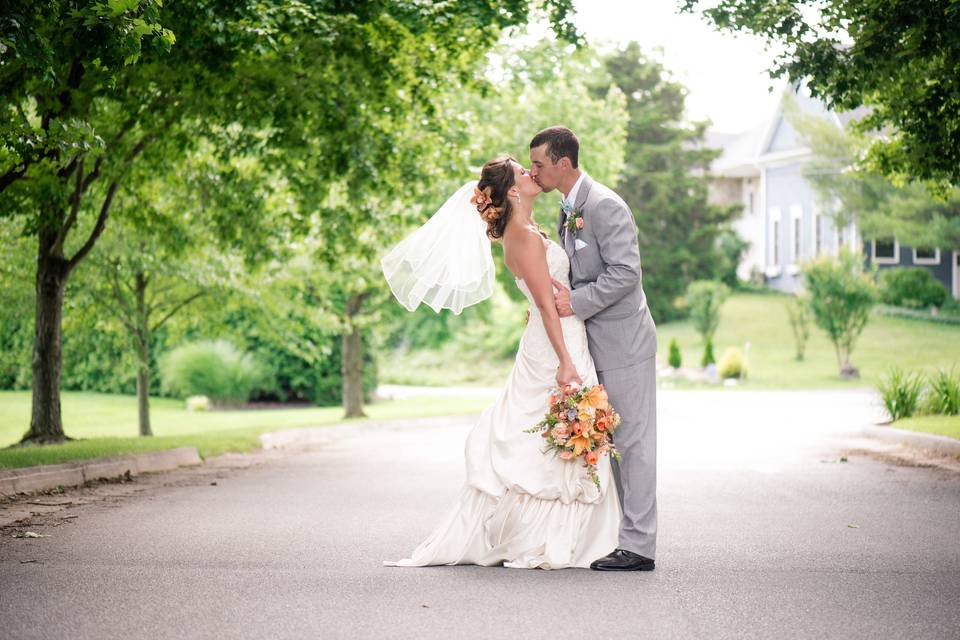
(929, 441)
(68, 474)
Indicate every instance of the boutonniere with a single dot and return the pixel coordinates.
(575, 220)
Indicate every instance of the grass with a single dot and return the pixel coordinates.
(107, 424)
(941, 425)
(446, 366)
(761, 320)
(757, 318)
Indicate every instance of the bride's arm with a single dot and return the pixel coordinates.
(532, 268)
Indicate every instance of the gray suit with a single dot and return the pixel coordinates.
(606, 293)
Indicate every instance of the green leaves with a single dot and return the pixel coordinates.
(900, 58)
(842, 293)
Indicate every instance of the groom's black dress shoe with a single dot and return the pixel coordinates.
(623, 560)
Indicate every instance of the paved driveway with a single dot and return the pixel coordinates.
(764, 533)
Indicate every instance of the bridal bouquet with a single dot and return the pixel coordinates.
(578, 425)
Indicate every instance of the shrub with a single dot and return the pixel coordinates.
(944, 392)
(901, 393)
(912, 287)
(732, 364)
(704, 299)
(707, 358)
(213, 369)
(674, 359)
(798, 310)
(841, 296)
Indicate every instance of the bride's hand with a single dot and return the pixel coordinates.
(567, 373)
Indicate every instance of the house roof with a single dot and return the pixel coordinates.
(743, 154)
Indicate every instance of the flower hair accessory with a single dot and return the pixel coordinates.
(484, 203)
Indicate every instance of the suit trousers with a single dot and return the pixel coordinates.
(632, 391)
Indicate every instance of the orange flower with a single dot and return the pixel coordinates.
(596, 397)
(592, 457)
(580, 443)
(481, 198)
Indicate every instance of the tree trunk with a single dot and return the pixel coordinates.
(143, 399)
(46, 425)
(352, 368)
(143, 355)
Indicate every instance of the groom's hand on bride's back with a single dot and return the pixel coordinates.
(562, 297)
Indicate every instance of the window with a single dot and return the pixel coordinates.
(775, 236)
(926, 255)
(886, 251)
(796, 244)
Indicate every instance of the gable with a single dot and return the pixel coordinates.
(784, 138)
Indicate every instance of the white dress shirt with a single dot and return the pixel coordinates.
(572, 196)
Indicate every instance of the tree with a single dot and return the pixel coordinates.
(842, 292)
(662, 181)
(798, 312)
(88, 89)
(516, 97)
(880, 207)
(704, 299)
(901, 58)
(52, 154)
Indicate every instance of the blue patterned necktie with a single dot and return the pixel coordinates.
(566, 208)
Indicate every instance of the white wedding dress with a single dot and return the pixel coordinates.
(520, 507)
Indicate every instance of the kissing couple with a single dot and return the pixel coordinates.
(589, 323)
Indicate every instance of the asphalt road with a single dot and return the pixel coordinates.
(764, 533)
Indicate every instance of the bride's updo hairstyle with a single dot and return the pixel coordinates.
(490, 196)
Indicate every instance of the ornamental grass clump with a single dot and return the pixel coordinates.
(215, 369)
(943, 393)
(901, 393)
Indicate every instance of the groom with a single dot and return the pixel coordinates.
(599, 234)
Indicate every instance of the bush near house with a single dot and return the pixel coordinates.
(911, 287)
(732, 364)
(675, 359)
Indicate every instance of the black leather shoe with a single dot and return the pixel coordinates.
(623, 560)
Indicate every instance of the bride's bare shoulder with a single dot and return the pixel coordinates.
(522, 238)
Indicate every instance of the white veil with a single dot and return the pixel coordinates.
(446, 263)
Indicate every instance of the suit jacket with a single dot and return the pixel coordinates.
(605, 280)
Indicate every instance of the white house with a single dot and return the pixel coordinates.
(761, 170)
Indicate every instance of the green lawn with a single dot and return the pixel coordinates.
(107, 424)
(757, 318)
(940, 425)
(761, 320)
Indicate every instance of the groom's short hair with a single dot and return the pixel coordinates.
(561, 143)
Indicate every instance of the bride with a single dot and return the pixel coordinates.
(518, 506)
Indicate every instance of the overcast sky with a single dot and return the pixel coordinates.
(726, 74)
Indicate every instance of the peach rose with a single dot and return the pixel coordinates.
(592, 457)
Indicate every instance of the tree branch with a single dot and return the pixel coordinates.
(176, 308)
(126, 316)
(107, 203)
(57, 249)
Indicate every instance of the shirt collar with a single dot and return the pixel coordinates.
(572, 196)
